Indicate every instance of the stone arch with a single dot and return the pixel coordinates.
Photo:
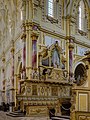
(77, 63)
(80, 74)
(74, 7)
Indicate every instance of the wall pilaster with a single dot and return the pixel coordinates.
(3, 81)
(12, 90)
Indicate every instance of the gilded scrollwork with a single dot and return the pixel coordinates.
(34, 89)
(22, 90)
(38, 110)
(28, 89)
(83, 118)
(56, 74)
(35, 74)
(54, 91)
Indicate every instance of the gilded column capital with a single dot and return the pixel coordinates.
(70, 38)
(23, 36)
(18, 76)
(34, 36)
(71, 42)
(71, 46)
(23, 26)
(68, 17)
(73, 19)
(27, 25)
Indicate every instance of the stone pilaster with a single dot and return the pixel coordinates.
(3, 81)
(89, 25)
(12, 90)
(23, 8)
(12, 54)
(27, 9)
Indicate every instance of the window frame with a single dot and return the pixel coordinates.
(52, 18)
(82, 18)
(51, 8)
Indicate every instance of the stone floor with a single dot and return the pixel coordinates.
(3, 116)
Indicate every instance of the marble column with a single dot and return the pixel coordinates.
(71, 47)
(28, 47)
(12, 53)
(34, 59)
(24, 56)
(34, 51)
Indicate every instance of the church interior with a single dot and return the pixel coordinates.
(45, 57)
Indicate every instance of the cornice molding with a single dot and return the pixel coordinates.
(51, 33)
(77, 41)
(41, 28)
(81, 43)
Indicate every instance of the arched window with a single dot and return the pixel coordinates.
(80, 74)
(53, 11)
(51, 8)
(82, 16)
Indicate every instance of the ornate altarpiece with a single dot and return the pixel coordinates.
(48, 87)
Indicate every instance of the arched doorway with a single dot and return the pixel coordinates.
(65, 108)
(51, 112)
(80, 74)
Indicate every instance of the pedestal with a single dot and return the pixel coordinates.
(12, 100)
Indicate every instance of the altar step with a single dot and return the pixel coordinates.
(16, 114)
(61, 118)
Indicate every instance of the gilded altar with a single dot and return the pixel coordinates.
(48, 87)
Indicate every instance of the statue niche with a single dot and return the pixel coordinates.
(52, 56)
(51, 61)
(55, 60)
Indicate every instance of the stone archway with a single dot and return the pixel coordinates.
(65, 108)
(51, 112)
(80, 74)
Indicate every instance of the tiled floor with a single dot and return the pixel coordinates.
(3, 116)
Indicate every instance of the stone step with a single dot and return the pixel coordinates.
(61, 118)
(66, 117)
(57, 118)
(18, 111)
(16, 114)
